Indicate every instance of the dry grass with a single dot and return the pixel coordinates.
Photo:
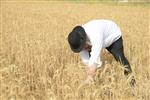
(36, 62)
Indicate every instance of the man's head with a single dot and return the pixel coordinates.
(77, 39)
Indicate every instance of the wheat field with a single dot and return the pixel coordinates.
(36, 62)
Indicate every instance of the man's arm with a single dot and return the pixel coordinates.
(90, 68)
(84, 54)
(94, 61)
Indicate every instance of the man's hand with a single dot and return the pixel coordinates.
(90, 70)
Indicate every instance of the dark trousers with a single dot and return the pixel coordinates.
(116, 49)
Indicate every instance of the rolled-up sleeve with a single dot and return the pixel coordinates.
(85, 56)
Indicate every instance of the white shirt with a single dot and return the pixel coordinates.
(100, 34)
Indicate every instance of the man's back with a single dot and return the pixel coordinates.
(106, 28)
